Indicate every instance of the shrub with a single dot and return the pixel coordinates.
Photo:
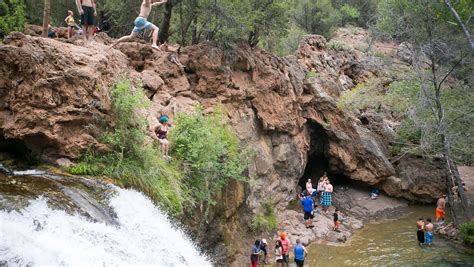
(210, 149)
(12, 16)
(363, 96)
(466, 232)
(266, 221)
(134, 160)
(338, 45)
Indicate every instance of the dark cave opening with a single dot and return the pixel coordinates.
(16, 150)
(318, 160)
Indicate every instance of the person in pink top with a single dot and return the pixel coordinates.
(285, 243)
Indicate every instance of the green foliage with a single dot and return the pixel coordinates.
(134, 159)
(311, 74)
(210, 151)
(338, 45)
(12, 16)
(466, 231)
(266, 221)
(349, 13)
(361, 97)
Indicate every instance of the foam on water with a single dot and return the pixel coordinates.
(42, 236)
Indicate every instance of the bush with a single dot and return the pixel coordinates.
(12, 16)
(266, 221)
(210, 150)
(338, 45)
(363, 96)
(466, 232)
(134, 160)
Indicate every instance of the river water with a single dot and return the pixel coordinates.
(390, 243)
(79, 222)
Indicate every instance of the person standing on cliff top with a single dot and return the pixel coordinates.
(87, 9)
(141, 23)
(420, 234)
(285, 243)
(440, 208)
(429, 232)
(326, 199)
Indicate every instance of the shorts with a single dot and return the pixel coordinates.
(308, 215)
(286, 258)
(439, 213)
(141, 23)
(420, 236)
(299, 263)
(88, 17)
(429, 238)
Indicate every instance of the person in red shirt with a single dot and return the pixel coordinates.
(285, 242)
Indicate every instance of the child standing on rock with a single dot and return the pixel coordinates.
(70, 23)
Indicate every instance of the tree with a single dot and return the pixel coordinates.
(12, 16)
(436, 53)
(46, 13)
(461, 24)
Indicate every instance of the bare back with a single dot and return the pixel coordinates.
(429, 227)
(145, 9)
(441, 204)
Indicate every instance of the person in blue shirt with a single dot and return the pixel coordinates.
(300, 253)
(255, 254)
(307, 203)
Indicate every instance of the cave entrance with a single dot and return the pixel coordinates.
(318, 160)
(16, 150)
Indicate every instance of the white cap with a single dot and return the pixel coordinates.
(264, 241)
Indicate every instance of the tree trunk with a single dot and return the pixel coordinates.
(46, 12)
(166, 23)
(463, 27)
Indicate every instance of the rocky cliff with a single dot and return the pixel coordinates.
(54, 102)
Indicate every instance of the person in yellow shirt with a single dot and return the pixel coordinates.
(70, 23)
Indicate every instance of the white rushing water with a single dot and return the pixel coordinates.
(40, 236)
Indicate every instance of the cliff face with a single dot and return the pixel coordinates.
(54, 100)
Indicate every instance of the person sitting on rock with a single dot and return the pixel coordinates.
(161, 132)
(141, 23)
(326, 199)
(52, 32)
(71, 24)
(374, 194)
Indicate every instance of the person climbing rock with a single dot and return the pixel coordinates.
(337, 223)
(87, 9)
(429, 232)
(161, 132)
(70, 23)
(278, 253)
(255, 253)
(307, 203)
(264, 249)
(326, 198)
(440, 208)
(285, 243)
(300, 253)
(420, 234)
(141, 23)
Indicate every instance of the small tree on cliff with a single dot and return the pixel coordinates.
(436, 53)
(46, 13)
(12, 16)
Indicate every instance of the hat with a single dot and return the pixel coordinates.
(264, 241)
(282, 235)
(163, 119)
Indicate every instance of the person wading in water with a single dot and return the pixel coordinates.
(420, 234)
(440, 208)
(429, 232)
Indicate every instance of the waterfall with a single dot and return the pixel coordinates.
(38, 235)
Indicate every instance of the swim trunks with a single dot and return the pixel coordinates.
(141, 23)
(420, 236)
(88, 17)
(286, 258)
(326, 199)
(308, 215)
(429, 238)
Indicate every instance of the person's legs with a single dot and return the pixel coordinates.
(69, 31)
(126, 38)
(155, 37)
